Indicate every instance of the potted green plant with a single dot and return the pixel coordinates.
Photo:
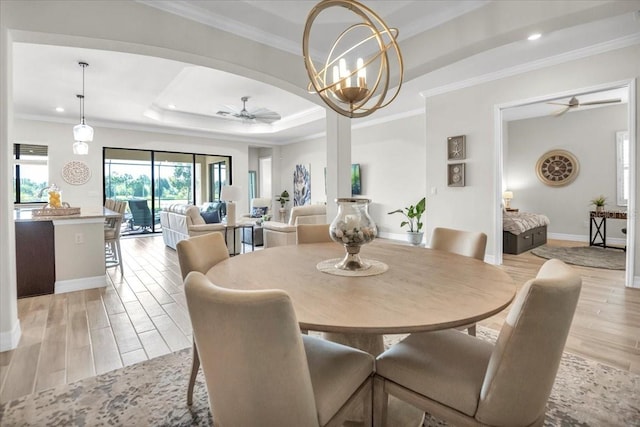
(599, 202)
(283, 199)
(413, 215)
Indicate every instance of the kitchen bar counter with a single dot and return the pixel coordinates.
(26, 214)
(60, 253)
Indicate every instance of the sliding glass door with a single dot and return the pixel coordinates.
(173, 179)
(150, 181)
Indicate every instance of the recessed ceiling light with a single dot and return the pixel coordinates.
(534, 36)
(172, 106)
(60, 109)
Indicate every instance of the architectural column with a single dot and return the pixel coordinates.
(338, 160)
(9, 323)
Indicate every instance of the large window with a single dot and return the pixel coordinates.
(30, 173)
(152, 180)
(622, 146)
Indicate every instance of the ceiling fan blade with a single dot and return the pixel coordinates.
(559, 103)
(604, 101)
(561, 112)
(267, 120)
(259, 115)
(265, 116)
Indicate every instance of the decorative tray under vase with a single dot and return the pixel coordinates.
(51, 211)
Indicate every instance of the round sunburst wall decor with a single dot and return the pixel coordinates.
(76, 172)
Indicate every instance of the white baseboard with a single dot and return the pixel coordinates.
(402, 237)
(9, 340)
(585, 238)
(63, 286)
(636, 281)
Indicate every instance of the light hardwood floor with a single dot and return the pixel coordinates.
(142, 314)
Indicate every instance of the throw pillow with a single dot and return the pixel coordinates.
(258, 212)
(211, 217)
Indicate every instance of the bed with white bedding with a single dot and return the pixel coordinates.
(523, 231)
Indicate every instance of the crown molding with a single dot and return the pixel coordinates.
(153, 129)
(389, 118)
(364, 124)
(190, 11)
(596, 49)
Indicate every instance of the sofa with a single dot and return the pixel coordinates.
(180, 221)
(282, 234)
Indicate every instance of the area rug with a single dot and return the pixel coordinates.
(153, 393)
(587, 256)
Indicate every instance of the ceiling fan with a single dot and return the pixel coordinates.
(574, 103)
(260, 115)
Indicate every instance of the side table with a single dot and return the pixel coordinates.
(598, 223)
(253, 236)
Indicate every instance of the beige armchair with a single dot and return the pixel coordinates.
(258, 202)
(199, 254)
(468, 243)
(470, 382)
(260, 370)
(281, 234)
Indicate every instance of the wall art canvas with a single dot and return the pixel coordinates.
(356, 183)
(301, 186)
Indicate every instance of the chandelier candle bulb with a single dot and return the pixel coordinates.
(362, 73)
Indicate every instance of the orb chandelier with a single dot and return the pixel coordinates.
(82, 133)
(367, 46)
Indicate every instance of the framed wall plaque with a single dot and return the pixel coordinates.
(455, 175)
(456, 147)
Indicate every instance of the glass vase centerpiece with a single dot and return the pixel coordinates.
(353, 227)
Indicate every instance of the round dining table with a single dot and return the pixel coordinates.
(422, 289)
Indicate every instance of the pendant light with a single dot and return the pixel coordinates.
(82, 133)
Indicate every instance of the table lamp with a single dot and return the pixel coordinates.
(507, 196)
(230, 194)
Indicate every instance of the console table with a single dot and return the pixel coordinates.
(598, 227)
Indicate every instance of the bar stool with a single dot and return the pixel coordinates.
(113, 253)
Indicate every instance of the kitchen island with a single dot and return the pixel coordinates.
(56, 254)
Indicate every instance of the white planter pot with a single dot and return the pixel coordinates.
(415, 237)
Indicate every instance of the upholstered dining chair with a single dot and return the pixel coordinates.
(468, 243)
(468, 381)
(199, 253)
(260, 370)
(313, 233)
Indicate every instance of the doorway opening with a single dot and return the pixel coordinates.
(506, 183)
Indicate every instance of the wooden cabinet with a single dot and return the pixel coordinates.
(35, 258)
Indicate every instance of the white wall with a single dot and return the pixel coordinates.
(470, 111)
(590, 136)
(58, 137)
(391, 157)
